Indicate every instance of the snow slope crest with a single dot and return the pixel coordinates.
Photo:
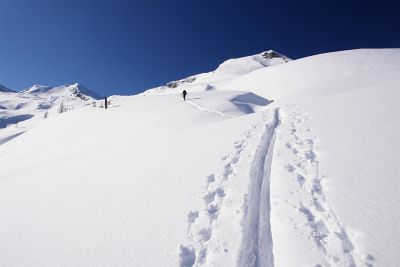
(68, 90)
(243, 65)
(229, 69)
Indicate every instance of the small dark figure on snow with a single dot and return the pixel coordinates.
(184, 93)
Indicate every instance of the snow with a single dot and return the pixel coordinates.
(244, 65)
(270, 162)
(75, 90)
(257, 226)
(21, 111)
(225, 72)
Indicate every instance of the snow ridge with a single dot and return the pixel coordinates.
(226, 71)
(66, 91)
(257, 237)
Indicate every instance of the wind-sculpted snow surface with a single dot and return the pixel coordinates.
(293, 164)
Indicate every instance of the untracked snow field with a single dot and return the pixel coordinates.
(269, 162)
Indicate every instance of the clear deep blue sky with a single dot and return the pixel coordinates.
(124, 47)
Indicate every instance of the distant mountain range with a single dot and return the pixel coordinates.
(67, 90)
(33, 104)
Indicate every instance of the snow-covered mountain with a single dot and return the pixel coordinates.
(227, 70)
(19, 111)
(64, 92)
(240, 66)
(269, 162)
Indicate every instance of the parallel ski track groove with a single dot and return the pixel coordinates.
(210, 111)
(257, 236)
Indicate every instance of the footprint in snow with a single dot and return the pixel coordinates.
(238, 146)
(187, 256)
(209, 197)
(318, 205)
(369, 261)
(210, 179)
(192, 216)
(290, 167)
(204, 234)
(301, 179)
(227, 170)
(235, 160)
(317, 188)
(310, 155)
(212, 210)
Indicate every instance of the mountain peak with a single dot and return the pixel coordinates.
(230, 68)
(243, 65)
(82, 92)
(36, 88)
(271, 54)
(66, 90)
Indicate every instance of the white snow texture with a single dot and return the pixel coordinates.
(269, 162)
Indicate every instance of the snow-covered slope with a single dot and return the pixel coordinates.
(21, 111)
(240, 66)
(228, 70)
(293, 164)
(68, 91)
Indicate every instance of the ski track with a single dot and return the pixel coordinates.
(208, 110)
(322, 223)
(256, 247)
(201, 221)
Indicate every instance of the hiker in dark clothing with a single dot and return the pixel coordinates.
(184, 93)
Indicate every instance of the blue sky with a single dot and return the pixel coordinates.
(125, 47)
